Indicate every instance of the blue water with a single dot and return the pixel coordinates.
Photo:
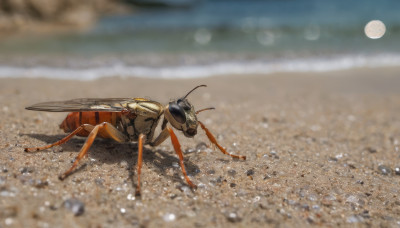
(214, 37)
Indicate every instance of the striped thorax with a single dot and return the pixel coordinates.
(142, 118)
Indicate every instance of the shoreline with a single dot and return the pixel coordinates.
(322, 149)
(78, 71)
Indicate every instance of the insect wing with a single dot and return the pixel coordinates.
(81, 105)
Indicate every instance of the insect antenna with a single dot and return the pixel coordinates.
(204, 109)
(193, 90)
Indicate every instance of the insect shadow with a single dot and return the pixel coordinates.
(111, 152)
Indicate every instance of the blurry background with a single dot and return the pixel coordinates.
(192, 38)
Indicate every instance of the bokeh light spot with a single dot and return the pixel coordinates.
(202, 36)
(375, 29)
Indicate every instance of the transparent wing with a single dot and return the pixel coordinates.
(81, 105)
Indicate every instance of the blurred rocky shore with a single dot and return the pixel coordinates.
(47, 16)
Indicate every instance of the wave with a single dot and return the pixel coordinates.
(244, 67)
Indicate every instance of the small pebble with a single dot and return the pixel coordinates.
(332, 159)
(211, 172)
(169, 217)
(26, 170)
(124, 164)
(305, 207)
(232, 172)
(312, 197)
(264, 119)
(316, 207)
(384, 170)
(310, 220)
(76, 206)
(351, 164)
(131, 197)
(99, 181)
(233, 217)
(339, 156)
(7, 193)
(8, 221)
(250, 172)
(185, 189)
(354, 219)
(356, 200)
(397, 170)
(365, 214)
(201, 146)
(190, 150)
(39, 183)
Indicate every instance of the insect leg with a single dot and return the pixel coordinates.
(178, 151)
(111, 132)
(139, 163)
(160, 138)
(85, 148)
(68, 137)
(214, 141)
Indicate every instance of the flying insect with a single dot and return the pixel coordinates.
(127, 120)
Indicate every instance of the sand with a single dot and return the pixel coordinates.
(322, 149)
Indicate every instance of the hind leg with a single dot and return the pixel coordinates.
(106, 130)
(64, 140)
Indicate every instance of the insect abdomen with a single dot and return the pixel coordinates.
(76, 119)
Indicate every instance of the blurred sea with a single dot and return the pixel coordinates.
(214, 37)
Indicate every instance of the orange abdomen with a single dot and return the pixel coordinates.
(76, 119)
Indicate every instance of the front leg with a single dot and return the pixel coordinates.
(166, 132)
(160, 138)
(141, 139)
(214, 141)
(177, 147)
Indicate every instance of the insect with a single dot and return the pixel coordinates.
(127, 120)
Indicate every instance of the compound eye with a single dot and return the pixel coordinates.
(177, 112)
(184, 104)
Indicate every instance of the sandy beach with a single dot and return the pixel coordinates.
(322, 149)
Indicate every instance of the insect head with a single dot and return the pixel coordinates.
(182, 116)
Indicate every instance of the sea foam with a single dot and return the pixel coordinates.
(203, 70)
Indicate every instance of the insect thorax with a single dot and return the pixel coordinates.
(142, 119)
